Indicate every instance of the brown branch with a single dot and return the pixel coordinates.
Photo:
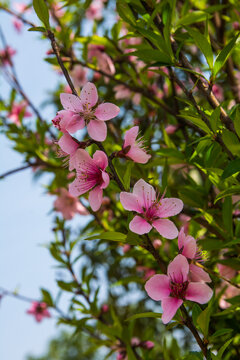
(188, 322)
(60, 62)
(10, 172)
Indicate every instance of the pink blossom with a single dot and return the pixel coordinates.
(133, 148)
(147, 271)
(82, 110)
(79, 75)
(218, 92)
(18, 111)
(126, 248)
(226, 271)
(153, 212)
(68, 205)
(148, 344)
(122, 92)
(104, 61)
(230, 292)
(94, 11)
(105, 308)
(175, 287)
(171, 129)
(17, 24)
(91, 175)
(188, 247)
(39, 310)
(157, 243)
(21, 7)
(6, 55)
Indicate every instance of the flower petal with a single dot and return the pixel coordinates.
(89, 95)
(130, 136)
(139, 225)
(95, 198)
(166, 228)
(138, 155)
(67, 144)
(76, 189)
(198, 275)
(145, 193)
(83, 160)
(170, 207)
(158, 287)
(75, 123)
(100, 158)
(190, 247)
(106, 179)
(130, 202)
(106, 111)
(71, 102)
(178, 269)
(97, 130)
(170, 306)
(198, 292)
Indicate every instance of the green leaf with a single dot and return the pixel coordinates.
(223, 55)
(196, 311)
(232, 168)
(222, 349)
(196, 121)
(127, 175)
(47, 298)
(192, 18)
(236, 120)
(221, 332)
(227, 215)
(231, 141)
(41, 10)
(144, 315)
(109, 235)
(149, 55)
(37, 28)
(125, 12)
(132, 239)
(215, 119)
(67, 286)
(234, 190)
(155, 38)
(204, 318)
(203, 44)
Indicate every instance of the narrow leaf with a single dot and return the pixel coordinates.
(144, 315)
(203, 44)
(223, 55)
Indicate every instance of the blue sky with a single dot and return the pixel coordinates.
(25, 224)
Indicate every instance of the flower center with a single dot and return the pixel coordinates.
(178, 290)
(151, 213)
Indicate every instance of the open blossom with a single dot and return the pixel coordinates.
(133, 148)
(39, 310)
(153, 212)
(188, 247)
(82, 110)
(91, 175)
(17, 111)
(68, 205)
(175, 287)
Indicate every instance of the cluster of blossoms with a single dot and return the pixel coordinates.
(185, 280)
